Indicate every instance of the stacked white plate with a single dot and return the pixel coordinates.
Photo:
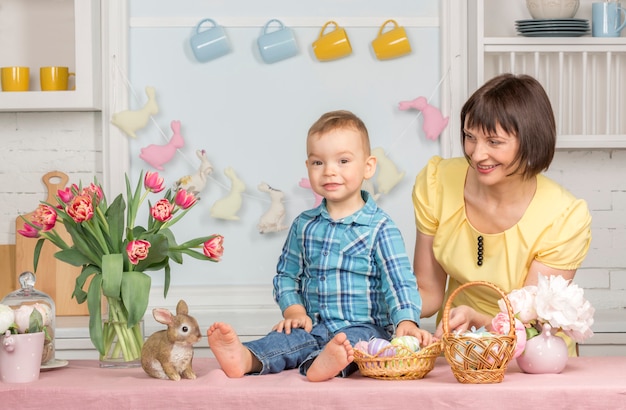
(552, 27)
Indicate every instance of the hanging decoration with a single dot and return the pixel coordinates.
(195, 183)
(434, 122)
(228, 206)
(130, 121)
(159, 155)
(388, 175)
(305, 183)
(272, 220)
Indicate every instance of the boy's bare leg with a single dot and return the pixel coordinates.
(337, 354)
(234, 358)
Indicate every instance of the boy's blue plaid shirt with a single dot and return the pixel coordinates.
(350, 271)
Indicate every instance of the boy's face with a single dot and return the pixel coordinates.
(337, 163)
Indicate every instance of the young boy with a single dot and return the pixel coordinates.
(343, 275)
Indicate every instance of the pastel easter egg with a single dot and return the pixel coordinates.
(411, 343)
(376, 345)
(362, 346)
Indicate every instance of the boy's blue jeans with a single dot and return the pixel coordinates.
(280, 351)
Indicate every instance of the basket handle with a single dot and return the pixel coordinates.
(507, 302)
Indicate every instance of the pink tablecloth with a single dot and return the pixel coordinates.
(586, 383)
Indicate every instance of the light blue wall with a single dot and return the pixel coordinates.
(254, 117)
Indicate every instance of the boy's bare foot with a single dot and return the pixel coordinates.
(234, 358)
(337, 354)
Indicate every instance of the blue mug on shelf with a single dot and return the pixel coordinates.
(277, 45)
(209, 43)
(608, 19)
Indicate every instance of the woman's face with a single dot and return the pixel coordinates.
(492, 155)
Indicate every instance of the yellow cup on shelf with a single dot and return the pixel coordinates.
(15, 78)
(54, 78)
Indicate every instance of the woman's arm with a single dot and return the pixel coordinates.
(537, 268)
(431, 278)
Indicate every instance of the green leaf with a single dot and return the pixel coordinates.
(166, 286)
(35, 322)
(36, 253)
(135, 295)
(72, 256)
(176, 256)
(112, 268)
(94, 305)
(531, 332)
(81, 279)
(115, 218)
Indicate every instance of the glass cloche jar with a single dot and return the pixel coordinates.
(28, 298)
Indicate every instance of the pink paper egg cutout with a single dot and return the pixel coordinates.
(411, 343)
(376, 345)
(362, 346)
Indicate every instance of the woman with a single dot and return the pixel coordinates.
(491, 215)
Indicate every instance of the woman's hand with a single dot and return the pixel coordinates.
(462, 318)
(294, 317)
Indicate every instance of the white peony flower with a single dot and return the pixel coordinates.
(523, 303)
(7, 317)
(555, 301)
(22, 317)
(46, 313)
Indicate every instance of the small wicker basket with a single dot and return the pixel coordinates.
(407, 365)
(478, 359)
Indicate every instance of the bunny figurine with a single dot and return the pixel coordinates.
(167, 354)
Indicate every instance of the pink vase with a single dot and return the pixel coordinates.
(544, 353)
(20, 357)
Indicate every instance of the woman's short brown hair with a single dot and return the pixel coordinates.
(520, 105)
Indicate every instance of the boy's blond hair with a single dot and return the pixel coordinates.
(341, 119)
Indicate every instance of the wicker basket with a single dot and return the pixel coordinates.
(478, 360)
(407, 366)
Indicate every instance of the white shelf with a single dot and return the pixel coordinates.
(591, 141)
(554, 44)
(58, 43)
(582, 75)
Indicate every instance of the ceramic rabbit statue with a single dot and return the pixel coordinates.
(272, 220)
(168, 354)
(130, 121)
(158, 155)
(228, 206)
(195, 183)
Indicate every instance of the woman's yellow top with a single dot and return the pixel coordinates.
(554, 230)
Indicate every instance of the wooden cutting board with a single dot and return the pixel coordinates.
(54, 277)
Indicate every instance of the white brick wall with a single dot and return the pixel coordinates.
(36, 143)
(600, 178)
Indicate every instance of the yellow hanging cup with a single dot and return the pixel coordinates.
(332, 45)
(392, 43)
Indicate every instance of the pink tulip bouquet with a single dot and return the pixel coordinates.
(114, 252)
